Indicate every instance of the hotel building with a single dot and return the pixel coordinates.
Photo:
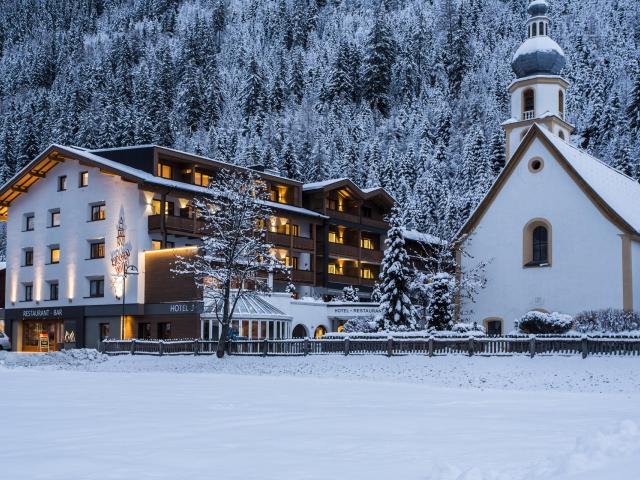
(76, 217)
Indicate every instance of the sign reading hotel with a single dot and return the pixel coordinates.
(352, 310)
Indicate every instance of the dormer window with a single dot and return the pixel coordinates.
(164, 171)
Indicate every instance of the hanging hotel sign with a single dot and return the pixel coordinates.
(120, 258)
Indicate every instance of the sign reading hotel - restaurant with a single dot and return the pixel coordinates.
(352, 311)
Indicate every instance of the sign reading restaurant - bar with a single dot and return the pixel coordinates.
(42, 313)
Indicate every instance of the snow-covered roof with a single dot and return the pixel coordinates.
(251, 307)
(618, 191)
(417, 236)
(325, 183)
(538, 55)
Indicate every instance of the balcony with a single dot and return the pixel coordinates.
(177, 225)
(528, 115)
(345, 279)
(348, 217)
(375, 222)
(297, 276)
(341, 250)
(284, 240)
(303, 243)
(374, 256)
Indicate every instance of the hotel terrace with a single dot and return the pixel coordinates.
(75, 216)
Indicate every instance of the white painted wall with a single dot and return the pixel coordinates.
(73, 236)
(546, 99)
(586, 271)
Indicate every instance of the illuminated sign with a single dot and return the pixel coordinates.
(42, 313)
(120, 258)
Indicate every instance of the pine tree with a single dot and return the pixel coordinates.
(397, 310)
(498, 155)
(349, 294)
(378, 65)
(633, 108)
(441, 301)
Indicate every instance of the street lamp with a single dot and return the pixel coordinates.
(129, 270)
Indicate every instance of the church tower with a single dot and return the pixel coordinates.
(538, 93)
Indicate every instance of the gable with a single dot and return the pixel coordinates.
(537, 135)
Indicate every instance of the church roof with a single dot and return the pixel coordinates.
(614, 193)
(538, 55)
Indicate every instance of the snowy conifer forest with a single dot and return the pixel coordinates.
(406, 94)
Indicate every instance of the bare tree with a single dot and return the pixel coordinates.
(234, 256)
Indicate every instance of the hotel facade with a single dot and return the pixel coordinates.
(77, 218)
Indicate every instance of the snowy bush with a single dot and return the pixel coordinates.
(609, 320)
(540, 322)
(441, 304)
(349, 294)
(463, 327)
(361, 325)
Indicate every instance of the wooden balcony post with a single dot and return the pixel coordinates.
(163, 219)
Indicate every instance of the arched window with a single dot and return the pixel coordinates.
(561, 134)
(528, 102)
(529, 31)
(537, 243)
(299, 331)
(534, 29)
(320, 331)
(493, 326)
(541, 27)
(561, 103)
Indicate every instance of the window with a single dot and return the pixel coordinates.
(561, 103)
(336, 237)
(541, 28)
(535, 29)
(366, 212)
(331, 204)
(493, 326)
(170, 244)
(156, 244)
(53, 290)
(202, 179)
(278, 194)
(367, 273)
(98, 212)
(561, 134)
(144, 331)
(28, 257)
(96, 249)
(54, 218)
(536, 164)
(164, 330)
(105, 331)
(335, 269)
(291, 262)
(28, 292)
(164, 171)
(83, 179)
(168, 207)
(367, 243)
(29, 222)
(54, 254)
(537, 244)
(96, 287)
(528, 100)
(62, 183)
(293, 230)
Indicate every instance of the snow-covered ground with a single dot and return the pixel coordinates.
(85, 416)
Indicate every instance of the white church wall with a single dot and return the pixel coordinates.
(635, 273)
(586, 270)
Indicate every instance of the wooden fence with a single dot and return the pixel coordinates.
(432, 346)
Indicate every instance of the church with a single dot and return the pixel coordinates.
(559, 229)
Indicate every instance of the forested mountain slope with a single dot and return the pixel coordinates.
(407, 94)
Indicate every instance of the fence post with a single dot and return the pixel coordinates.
(161, 348)
(346, 345)
(431, 346)
(265, 347)
(390, 347)
(471, 340)
(532, 346)
(307, 346)
(196, 346)
(585, 346)
(133, 347)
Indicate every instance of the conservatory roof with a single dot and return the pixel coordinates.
(250, 307)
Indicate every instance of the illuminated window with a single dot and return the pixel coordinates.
(295, 230)
(54, 220)
(291, 262)
(336, 237)
(53, 290)
(201, 179)
(367, 273)
(335, 269)
(28, 257)
(367, 243)
(62, 183)
(164, 171)
(156, 245)
(28, 292)
(83, 179)
(168, 207)
(29, 222)
(98, 212)
(278, 194)
(96, 287)
(54, 254)
(320, 331)
(97, 250)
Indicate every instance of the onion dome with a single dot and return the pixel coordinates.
(539, 54)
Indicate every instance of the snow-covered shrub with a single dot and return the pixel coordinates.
(540, 322)
(441, 304)
(467, 327)
(349, 294)
(609, 320)
(361, 325)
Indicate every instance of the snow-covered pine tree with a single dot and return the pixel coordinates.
(441, 301)
(395, 279)
(497, 155)
(349, 294)
(378, 65)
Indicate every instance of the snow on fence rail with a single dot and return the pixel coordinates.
(431, 346)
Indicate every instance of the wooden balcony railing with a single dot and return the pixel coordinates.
(279, 239)
(349, 217)
(176, 224)
(375, 222)
(346, 279)
(343, 250)
(303, 243)
(371, 255)
(297, 276)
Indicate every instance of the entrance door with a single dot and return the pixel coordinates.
(42, 335)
